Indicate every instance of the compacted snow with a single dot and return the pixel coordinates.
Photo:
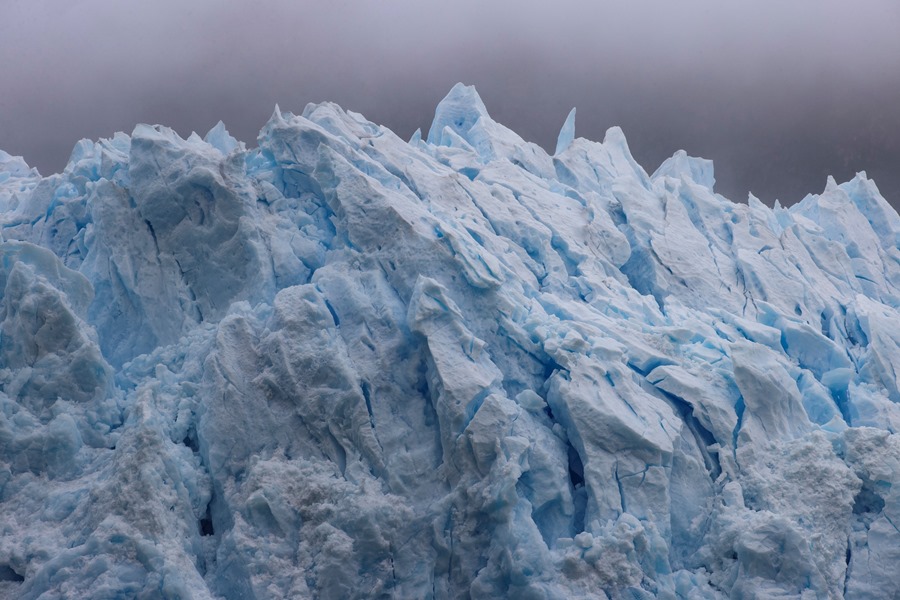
(344, 365)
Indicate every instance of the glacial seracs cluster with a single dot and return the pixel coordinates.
(346, 365)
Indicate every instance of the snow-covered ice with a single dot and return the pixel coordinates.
(344, 365)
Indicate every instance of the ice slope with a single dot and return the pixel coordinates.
(344, 365)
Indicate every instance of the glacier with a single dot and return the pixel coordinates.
(346, 365)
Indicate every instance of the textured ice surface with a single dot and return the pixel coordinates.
(343, 365)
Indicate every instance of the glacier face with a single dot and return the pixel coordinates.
(344, 365)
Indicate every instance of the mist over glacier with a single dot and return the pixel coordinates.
(346, 365)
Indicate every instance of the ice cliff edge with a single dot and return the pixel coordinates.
(344, 365)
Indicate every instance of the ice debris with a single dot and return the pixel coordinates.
(343, 365)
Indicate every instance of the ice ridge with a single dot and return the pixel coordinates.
(344, 365)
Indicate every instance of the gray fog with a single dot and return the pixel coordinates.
(778, 93)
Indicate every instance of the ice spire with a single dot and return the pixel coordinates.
(566, 134)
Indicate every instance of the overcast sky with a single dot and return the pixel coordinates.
(779, 93)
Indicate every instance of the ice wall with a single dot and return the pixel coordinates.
(343, 365)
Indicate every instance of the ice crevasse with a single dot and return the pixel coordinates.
(346, 365)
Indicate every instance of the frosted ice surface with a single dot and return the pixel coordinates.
(343, 365)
